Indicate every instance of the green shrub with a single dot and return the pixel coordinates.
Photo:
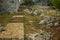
(28, 2)
(56, 3)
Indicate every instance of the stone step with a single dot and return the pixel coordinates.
(15, 16)
(21, 9)
(17, 19)
(19, 13)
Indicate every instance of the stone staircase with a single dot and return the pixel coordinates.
(18, 17)
(14, 29)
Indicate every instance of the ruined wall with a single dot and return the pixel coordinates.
(9, 6)
(43, 2)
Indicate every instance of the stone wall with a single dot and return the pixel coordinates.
(9, 6)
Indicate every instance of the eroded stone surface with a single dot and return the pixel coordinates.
(13, 30)
(9, 6)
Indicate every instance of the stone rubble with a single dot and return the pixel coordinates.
(2, 28)
(36, 12)
(32, 11)
(43, 35)
(49, 21)
(28, 11)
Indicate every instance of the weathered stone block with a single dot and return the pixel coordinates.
(9, 6)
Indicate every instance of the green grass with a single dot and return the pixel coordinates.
(5, 18)
(28, 26)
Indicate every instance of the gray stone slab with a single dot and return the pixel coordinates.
(9, 6)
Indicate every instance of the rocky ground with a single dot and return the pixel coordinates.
(36, 22)
(43, 18)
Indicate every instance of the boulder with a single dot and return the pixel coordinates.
(2, 28)
(28, 11)
(56, 24)
(36, 12)
(42, 22)
(9, 6)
